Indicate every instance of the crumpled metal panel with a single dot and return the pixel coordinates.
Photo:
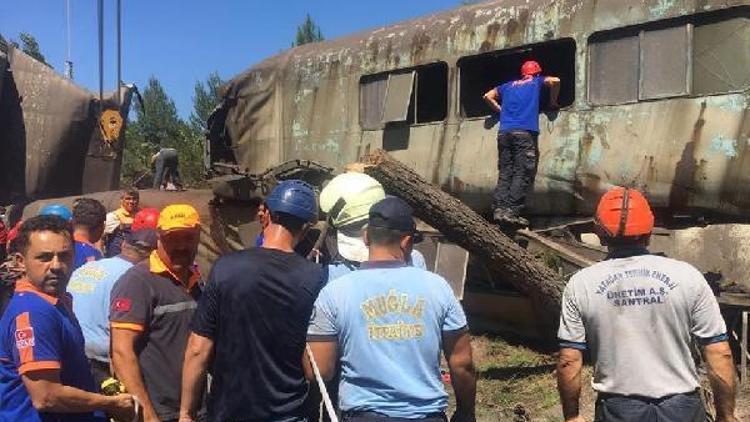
(53, 120)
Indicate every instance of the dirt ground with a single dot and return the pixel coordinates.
(517, 383)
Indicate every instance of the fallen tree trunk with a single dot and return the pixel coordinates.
(463, 226)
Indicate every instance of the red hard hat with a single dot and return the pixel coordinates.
(624, 212)
(530, 68)
(146, 218)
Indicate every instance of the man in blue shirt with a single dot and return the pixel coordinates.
(44, 375)
(91, 286)
(518, 152)
(88, 227)
(388, 322)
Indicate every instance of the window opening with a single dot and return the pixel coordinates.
(480, 73)
(411, 96)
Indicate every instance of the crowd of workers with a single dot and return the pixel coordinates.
(366, 329)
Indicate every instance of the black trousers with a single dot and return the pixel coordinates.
(518, 158)
(678, 407)
(167, 165)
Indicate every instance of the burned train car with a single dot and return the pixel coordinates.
(654, 96)
(49, 133)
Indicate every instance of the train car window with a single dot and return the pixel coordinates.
(721, 56)
(691, 55)
(415, 95)
(371, 98)
(664, 62)
(482, 72)
(614, 59)
(432, 93)
(398, 97)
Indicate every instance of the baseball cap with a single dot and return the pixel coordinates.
(394, 214)
(178, 216)
(143, 238)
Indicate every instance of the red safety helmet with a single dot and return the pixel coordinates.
(146, 218)
(530, 68)
(624, 212)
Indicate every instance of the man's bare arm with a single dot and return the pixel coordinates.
(553, 82)
(720, 367)
(492, 100)
(127, 369)
(197, 356)
(325, 354)
(569, 366)
(457, 350)
(48, 394)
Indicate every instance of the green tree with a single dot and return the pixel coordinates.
(29, 45)
(158, 125)
(308, 32)
(206, 98)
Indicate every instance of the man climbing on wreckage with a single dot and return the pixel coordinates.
(517, 102)
(638, 314)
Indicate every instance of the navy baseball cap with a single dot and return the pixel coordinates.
(143, 238)
(394, 214)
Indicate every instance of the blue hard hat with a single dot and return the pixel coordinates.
(59, 210)
(294, 197)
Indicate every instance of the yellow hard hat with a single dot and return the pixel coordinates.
(348, 197)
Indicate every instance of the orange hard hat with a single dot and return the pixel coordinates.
(530, 68)
(146, 218)
(624, 212)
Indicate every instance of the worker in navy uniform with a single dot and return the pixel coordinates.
(251, 323)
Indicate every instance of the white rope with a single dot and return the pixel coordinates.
(322, 385)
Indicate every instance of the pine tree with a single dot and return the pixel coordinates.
(308, 32)
(206, 98)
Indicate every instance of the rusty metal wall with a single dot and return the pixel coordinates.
(688, 153)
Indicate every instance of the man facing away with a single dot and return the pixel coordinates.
(88, 227)
(167, 166)
(151, 308)
(44, 374)
(346, 200)
(118, 222)
(517, 148)
(638, 314)
(387, 323)
(92, 284)
(251, 322)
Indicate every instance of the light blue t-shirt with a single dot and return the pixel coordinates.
(338, 269)
(388, 320)
(91, 286)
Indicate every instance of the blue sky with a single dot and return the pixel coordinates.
(182, 41)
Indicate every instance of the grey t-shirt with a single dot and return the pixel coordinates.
(638, 315)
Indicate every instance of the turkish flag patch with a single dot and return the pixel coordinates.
(24, 338)
(122, 304)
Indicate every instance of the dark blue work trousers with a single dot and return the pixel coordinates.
(518, 158)
(675, 408)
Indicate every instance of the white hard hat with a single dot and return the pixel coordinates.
(348, 197)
